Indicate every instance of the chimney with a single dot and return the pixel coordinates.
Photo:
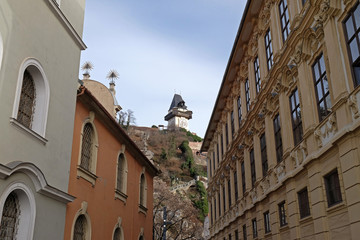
(112, 88)
(86, 76)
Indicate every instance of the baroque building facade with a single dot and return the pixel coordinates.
(40, 45)
(109, 175)
(283, 138)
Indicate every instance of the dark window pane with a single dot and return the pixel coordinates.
(354, 49)
(319, 90)
(357, 73)
(357, 17)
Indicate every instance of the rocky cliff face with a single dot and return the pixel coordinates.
(162, 148)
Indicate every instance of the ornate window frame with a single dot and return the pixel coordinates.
(82, 211)
(38, 128)
(89, 175)
(143, 191)
(121, 193)
(27, 206)
(118, 225)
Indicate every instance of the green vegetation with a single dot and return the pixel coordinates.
(202, 203)
(154, 126)
(194, 169)
(192, 137)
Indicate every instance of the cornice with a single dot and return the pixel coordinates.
(66, 23)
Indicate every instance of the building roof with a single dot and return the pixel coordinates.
(86, 97)
(177, 102)
(246, 27)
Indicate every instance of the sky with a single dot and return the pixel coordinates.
(159, 48)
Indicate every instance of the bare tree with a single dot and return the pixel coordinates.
(127, 118)
(181, 214)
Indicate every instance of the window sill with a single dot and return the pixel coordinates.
(120, 195)
(142, 209)
(86, 174)
(335, 207)
(284, 227)
(267, 234)
(305, 219)
(35, 135)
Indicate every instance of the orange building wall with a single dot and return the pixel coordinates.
(103, 208)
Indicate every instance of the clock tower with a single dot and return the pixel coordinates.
(178, 115)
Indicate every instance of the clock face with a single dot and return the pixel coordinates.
(183, 123)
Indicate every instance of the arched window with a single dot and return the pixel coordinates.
(31, 98)
(142, 191)
(120, 173)
(27, 101)
(86, 147)
(117, 234)
(10, 218)
(80, 228)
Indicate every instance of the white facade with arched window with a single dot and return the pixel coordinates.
(27, 208)
(42, 93)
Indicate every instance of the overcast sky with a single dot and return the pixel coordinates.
(159, 47)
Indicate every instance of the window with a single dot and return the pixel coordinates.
(210, 170)
(304, 203)
(223, 202)
(244, 232)
(268, 49)
(87, 146)
(229, 193)
(296, 117)
(236, 186)
(267, 222)
(214, 161)
(229, 236)
(27, 101)
(31, 99)
(239, 110)
(333, 191)
(80, 228)
(226, 134)
(321, 87)
(236, 235)
(217, 154)
(215, 208)
(232, 123)
(142, 190)
(117, 234)
(222, 145)
(252, 165)
(121, 174)
(278, 138)
(257, 74)
(264, 159)
(10, 217)
(284, 19)
(352, 25)
(282, 214)
(254, 228)
(247, 94)
(211, 214)
(243, 177)
(219, 204)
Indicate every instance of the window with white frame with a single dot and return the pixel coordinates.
(31, 98)
(80, 228)
(87, 146)
(10, 217)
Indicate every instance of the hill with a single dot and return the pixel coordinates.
(182, 182)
